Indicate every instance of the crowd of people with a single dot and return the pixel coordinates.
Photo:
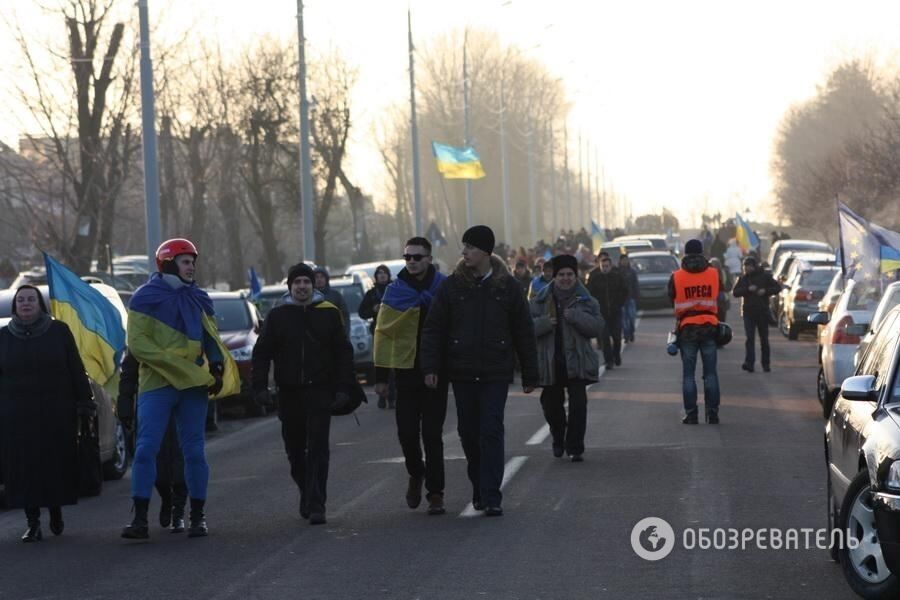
(470, 329)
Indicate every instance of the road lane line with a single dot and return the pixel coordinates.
(509, 470)
(539, 436)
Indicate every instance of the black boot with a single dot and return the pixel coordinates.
(33, 533)
(56, 520)
(139, 528)
(179, 498)
(165, 506)
(198, 520)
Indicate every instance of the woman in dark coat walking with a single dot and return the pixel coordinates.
(43, 391)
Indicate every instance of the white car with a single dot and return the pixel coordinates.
(889, 300)
(843, 332)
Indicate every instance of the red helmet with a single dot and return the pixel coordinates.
(169, 249)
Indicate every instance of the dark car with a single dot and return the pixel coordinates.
(800, 298)
(653, 271)
(238, 323)
(862, 455)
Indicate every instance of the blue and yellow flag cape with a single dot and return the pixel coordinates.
(747, 240)
(890, 259)
(173, 334)
(868, 251)
(457, 163)
(397, 326)
(95, 323)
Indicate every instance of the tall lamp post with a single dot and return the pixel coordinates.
(148, 132)
(307, 200)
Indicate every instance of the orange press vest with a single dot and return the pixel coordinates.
(695, 297)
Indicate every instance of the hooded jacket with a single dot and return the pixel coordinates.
(307, 344)
(335, 297)
(582, 361)
(474, 326)
(752, 304)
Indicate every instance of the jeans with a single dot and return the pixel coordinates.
(629, 314)
(420, 422)
(567, 433)
(706, 347)
(752, 324)
(154, 410)
(479, 412)
(305, 427)
(611, 339)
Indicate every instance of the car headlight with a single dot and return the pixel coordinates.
(892, 478)
(242, 354)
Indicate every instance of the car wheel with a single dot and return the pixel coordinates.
(793, 330)
(782, 324)
(825, 395)
(116, 467)
(864, 566)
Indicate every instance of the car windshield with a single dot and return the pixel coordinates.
(232, 314)
(267, 301)
(864, 297)
(353, 295)
(891, 300)
(816, 279)
(654, 264)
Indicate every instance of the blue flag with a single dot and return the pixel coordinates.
(255, 287)
(867, 249)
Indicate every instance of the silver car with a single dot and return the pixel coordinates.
(653, 271)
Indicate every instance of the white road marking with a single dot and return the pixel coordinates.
(401, 460)
(509, 470)
(539, 436)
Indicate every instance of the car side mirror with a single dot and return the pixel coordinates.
(860, 387)
(818, 318)
(859, 329)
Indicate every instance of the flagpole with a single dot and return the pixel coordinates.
(504, 167)
(466, 119)
(414, 127)
(307, 198)
(837, 205)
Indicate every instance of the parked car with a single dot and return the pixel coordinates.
(395, 266)
(616, 249)
(36, 276)
(653, 272)
(782, 246)
(889, 299)
(826, 305)
(659, 242)
(113, 449)
(842, 332)
(269, 297)
(862, 448)
(238, 322)
(781, 271)
(800, 298)
(353, 288)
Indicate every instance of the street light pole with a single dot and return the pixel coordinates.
(148, 133)
(414, 127)
(567, 176)
(466, 117)
(532, 202)
(504, 167)
(554, 219)
(307, 200)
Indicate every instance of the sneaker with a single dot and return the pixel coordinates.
(766, 369)
(414, 492)
(689, 419)
(618, 361)
(577, 458)
(747, 367)
(712, 418)
(436, 504)
(494, 511)
(317, 519)
(558, 451)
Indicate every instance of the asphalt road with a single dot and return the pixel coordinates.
(567, 528)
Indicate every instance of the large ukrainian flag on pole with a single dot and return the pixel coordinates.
(457, 163)
(747, 240)
(95, 323)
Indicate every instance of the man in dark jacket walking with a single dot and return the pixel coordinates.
(611, 290)
(313, 359)
(398, 342)
(478, 320)
(629, 309)
(755, 287)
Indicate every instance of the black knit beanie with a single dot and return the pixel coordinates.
(300, 270)
(481, 237)
(564, 261)
(693, 247)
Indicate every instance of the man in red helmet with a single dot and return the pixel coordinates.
(172, 334)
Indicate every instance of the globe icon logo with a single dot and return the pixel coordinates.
(652, 538)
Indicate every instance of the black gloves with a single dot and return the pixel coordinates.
(217, 370)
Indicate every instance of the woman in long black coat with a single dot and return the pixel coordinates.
(43, 391)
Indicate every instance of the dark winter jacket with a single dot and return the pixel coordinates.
(367, 308)
(336, 298)
(754, 305)
(42, 384)
(610, 290)
(474, 326)
(307, 344)
(414, 376)
(631, 278)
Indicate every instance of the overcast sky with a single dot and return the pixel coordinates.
(680, 99)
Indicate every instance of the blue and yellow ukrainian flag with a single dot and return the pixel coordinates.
(890, 259)
(397, 326)
(597, 236)
(747, 240)
(457, 163)
(95, 323)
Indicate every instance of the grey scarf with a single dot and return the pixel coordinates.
(23, 330)
(564, 297)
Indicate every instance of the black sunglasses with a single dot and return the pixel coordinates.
(415, 257)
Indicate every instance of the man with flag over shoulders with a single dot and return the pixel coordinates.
(305, 338)
(398, 340)
(693, 290)
(478, 320)
(172, 333)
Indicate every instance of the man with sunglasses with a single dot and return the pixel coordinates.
(478, 321)
(420, 410)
